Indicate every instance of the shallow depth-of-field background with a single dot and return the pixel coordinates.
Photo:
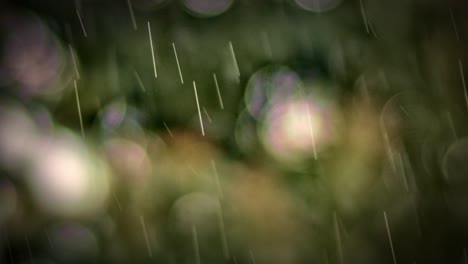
(233, 131)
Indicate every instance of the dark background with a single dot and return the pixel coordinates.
(394, 149)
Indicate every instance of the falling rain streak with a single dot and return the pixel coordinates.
(252, 258)
(216, 179)
(74, 62)
(207, 115)
(389, 238)
(140, 83)
(451, 124)
(81, 23)
(454, 24)
(116, 199)
(462, 74)
(388, 146)
(198, 107)
(403, 172)
(145, 234)
(146, 179)
(79, 108)
(218, 91)
(152, 50)
(404, 111)
(373, 30)
(196, 248)
(234, 59)
(132, 16)
(364, 16)
(338, 238)
(222, 231)
(309, 119)
(177, 61)
(168, 130)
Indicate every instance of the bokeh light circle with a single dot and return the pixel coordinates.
(112, 116)
(68, 179)
(18, 137)
(318, 5)
(149, 5)
(195, 209)
(73, 243)
(403, 114)
(128, 159)
(268, 85)
(207, 8)
(454, 163)
(245, 133)
(294, 129)
(34, 58)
